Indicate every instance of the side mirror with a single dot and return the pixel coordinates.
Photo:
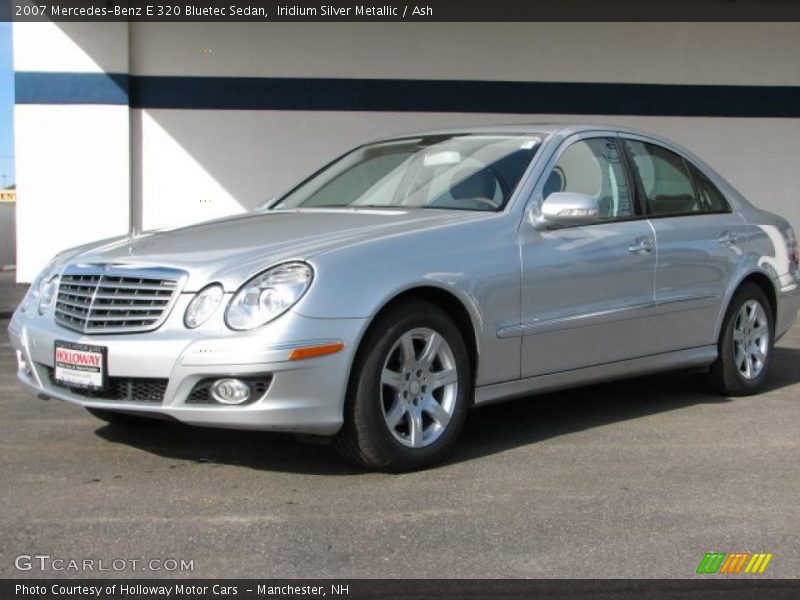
(562, 209)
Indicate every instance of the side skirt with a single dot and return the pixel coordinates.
(693, 357)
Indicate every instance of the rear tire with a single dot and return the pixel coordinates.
(409, 392)
(120, 419)
(745, 344)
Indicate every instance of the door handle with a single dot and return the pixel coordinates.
(728, 238)
(641, 246)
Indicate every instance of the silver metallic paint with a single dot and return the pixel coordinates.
(548, 308)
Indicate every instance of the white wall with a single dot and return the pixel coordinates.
(252, 155)
(191, 165)
(72, 161)
(703, 53)
(71, 47)
(72, 179)
(230, 159)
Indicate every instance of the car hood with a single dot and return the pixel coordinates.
(233, 249)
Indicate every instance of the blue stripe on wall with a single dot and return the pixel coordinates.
(404, 95)
(71, 88)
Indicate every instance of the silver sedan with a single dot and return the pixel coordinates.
(415, 277)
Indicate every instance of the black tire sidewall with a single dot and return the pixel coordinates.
(732, 381)
(378, 445)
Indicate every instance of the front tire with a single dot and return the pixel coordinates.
(745, 344)
(409, 393)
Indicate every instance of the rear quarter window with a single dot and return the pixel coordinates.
(711, 199)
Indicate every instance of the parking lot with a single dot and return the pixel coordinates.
(632, 479)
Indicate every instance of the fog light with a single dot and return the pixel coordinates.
(230, 391)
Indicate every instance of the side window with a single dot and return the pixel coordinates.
(665, 180)
(711, 199)
(594, 167)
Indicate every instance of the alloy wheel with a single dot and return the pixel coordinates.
(419, 387)
(750, 339)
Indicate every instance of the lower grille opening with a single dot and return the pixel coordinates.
(201, 392)
(122, 389)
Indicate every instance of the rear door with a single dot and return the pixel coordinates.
(699, 241)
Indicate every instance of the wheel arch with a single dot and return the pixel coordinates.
(763, 281)
(464, 318)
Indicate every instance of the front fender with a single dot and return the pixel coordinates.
(477, 262)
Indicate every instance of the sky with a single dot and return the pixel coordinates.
(6, 106)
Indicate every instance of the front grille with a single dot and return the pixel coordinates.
(123, 389)
(95, 299)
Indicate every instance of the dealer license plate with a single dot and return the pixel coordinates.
(80, 365)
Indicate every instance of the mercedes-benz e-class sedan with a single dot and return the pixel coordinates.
(415, 277)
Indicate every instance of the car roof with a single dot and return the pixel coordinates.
(564, 129)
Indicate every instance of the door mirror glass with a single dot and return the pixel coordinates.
(562, 209)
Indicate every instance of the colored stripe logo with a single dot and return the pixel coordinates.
(734, 563)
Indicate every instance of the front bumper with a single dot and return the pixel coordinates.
(304, 396)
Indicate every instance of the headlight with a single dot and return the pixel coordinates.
(37, 287)
(203, 305)
(47, 293)
(268, 295)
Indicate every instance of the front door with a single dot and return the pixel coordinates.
(588, 291)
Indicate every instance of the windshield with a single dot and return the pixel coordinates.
(462, 172)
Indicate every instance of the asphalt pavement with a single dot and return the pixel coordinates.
(632, 479)
(11, 293)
